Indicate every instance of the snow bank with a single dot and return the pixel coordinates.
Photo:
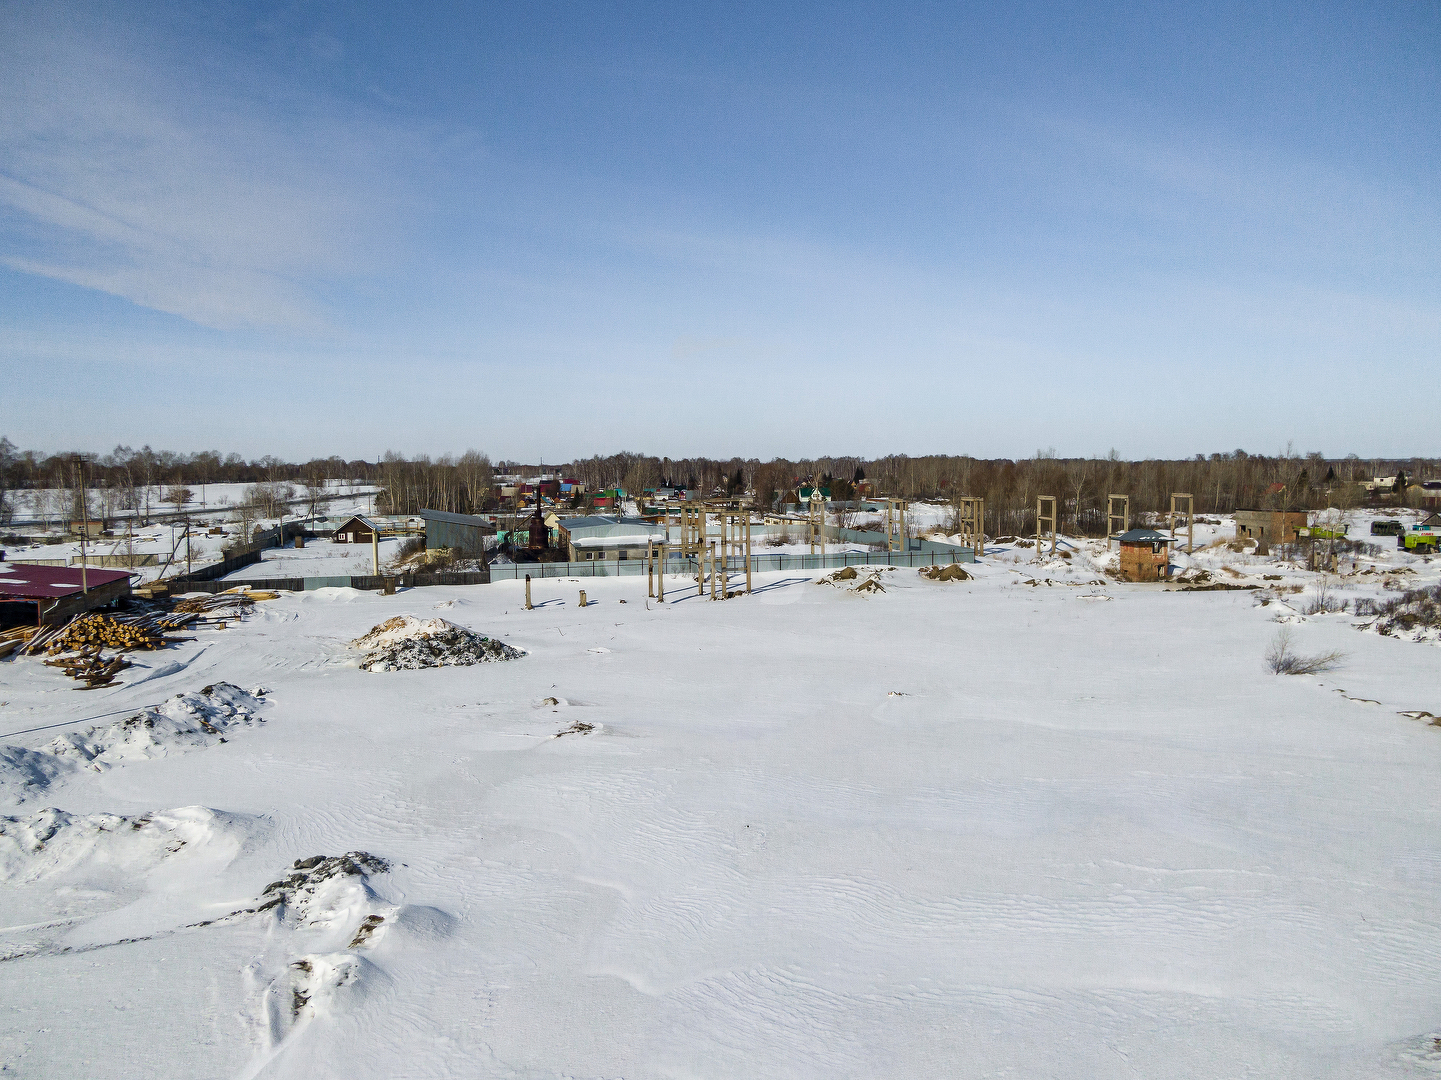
(185, 722)
(52, 841)
(327, 901)
(25, 773)
(325, 891)
(406, 643)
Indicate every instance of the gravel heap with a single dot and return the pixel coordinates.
(406, 643)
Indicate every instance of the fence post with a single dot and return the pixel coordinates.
(528, 605)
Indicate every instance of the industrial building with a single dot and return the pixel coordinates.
(463, 534)
(41, 595)
(602, 537)
(1268, 527)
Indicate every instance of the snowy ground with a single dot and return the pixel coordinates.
(35, 506)
(163, 539)
(1023, 825)
(319, 558)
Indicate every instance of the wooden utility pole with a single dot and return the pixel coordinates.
(748, 550)
(1112, 501)
(660, 576)
(374, 547)
(84, 526)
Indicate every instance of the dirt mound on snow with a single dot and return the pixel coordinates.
(406, 643)
(951, 572)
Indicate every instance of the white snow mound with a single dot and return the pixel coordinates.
(185, 722)
(26, 773)
(53, 841)
(406, 643)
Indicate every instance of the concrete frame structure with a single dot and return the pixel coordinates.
(1190, 513)
(1269, 527)
(711, 550)
(971, 516)
(692, 528)
(1111, 516)
(896, 539)
(1043, 518)
(816, 520)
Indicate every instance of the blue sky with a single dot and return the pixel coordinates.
(548, 230)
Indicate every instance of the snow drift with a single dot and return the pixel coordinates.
(52, 841)
(184, 722)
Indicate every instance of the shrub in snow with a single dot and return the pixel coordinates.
(1415, 614)
(1283, 661)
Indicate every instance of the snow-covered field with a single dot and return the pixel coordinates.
(1032, 824)
(52, 505)
(167, 542)
(319, 558)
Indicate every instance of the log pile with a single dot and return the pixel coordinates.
(15, 638)
(91, 666)
(150, 627)
(97, 631)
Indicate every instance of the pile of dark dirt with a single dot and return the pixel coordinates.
(953, 572)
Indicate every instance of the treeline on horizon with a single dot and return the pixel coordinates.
(1220, 482)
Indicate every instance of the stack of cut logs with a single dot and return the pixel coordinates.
(86, 636)
(97, 631)
(91, 666)
(15, 638)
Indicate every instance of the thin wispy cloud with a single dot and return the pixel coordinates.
(124, 174)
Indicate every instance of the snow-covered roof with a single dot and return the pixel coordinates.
(600, 525)
(617, 540)
(360, 518)
(456, 519)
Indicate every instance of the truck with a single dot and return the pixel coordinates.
(1421, 539)
(1387, 528)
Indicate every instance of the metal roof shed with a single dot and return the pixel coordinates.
(461, 533)
(30, 595)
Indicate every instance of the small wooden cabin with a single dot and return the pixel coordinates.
(1145, 555)
(355, 530)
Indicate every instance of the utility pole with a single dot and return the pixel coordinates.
(84, 526)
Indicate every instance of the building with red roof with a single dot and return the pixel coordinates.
(34, 595)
